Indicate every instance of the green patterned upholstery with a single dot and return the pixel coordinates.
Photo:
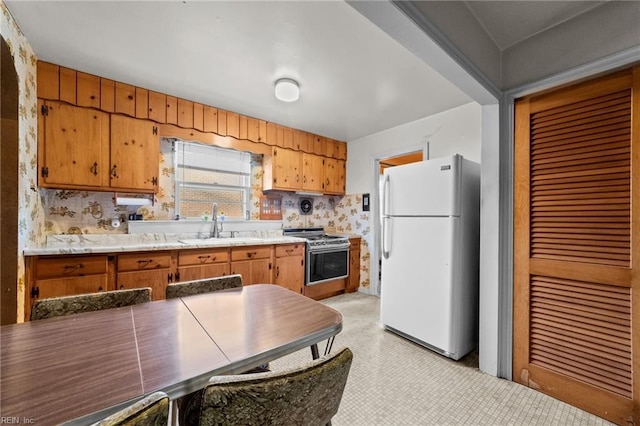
(308, 395)
(153, 410)
(67, 305)
(207, 285)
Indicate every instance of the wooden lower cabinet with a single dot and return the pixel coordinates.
(149, 269)
(56, 276)
(289, 266)
(202, 263)
(66, 275)
(254, 263)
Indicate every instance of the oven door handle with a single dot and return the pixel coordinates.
(330, 249)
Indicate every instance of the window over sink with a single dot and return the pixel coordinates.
(205, 174)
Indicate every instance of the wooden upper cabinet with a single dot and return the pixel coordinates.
(135, 149)
(172, 110)
(304, 142)
(330, 148)
(210, 119)
(244, 127)
(334, 176)
(253, 129)
(107, 95)
(282, 170)
(287, 138)
(233, 124)
(185, 114)
(318, 145)
(198, 116)
(48, 81)
(125, 99)
(271, 134)
(312, 172)
(222, 122)
(142, 103)
(341, 150)
(88, 90)
(157, 107)
(68, 85)
(73, 146)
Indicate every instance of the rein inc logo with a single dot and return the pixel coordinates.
(6, 420)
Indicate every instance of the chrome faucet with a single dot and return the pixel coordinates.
(215, 232)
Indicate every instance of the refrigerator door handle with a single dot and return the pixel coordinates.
(385, 252)
(385, 195)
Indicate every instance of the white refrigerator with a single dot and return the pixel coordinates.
(430, 253)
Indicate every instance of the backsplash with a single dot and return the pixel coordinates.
(87, 212)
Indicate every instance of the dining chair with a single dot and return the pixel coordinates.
(206, 285)
(67, 305)
(152, 410)
(308, 395)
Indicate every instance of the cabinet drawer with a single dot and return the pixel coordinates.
(289, 250)
(254, 252)
(70, 266)
(143, 262)
(202, 257)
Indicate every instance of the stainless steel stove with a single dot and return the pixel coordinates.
(327, 256)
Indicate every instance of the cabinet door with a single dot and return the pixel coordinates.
(289, 273)
(312, 172)
(189, 273)
(134, 154)
(256, 271)
(286, 169)
(334, 176)
(74, 146)
(156, 279)
(243, 268)
(57, 287)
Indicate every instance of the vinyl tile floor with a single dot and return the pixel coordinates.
(395, 382)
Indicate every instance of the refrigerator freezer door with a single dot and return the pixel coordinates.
(417, 277)
(427, 188)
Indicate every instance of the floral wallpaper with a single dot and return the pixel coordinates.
(30, 216)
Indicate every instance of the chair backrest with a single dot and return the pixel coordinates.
(67, 305)
(152, 410)
(308, 395)
(206, 285)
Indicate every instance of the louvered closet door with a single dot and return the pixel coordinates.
(577, 266)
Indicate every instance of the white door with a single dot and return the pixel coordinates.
(427, 188)
(416, 278)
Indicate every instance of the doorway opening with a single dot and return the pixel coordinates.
(8, 187)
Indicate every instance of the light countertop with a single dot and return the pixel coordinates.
(115, 243)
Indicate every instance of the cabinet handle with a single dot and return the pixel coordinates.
(35, 292)
(70, 268)
(327, 181)
(250, 254)
(121, 286)
(114, 172)
(289, 250)
(304, 179)
(277, 271)
(204, 258)
(177, 276)
(100, 288)
(94, 169)
(144, 263)
(170, 278)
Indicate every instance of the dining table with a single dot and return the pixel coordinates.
(78, 369)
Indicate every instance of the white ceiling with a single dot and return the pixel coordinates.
(354, 79)
(510, 22)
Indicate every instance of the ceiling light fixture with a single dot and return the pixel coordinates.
(287, 90)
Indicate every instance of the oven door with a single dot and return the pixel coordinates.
(326, 264)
